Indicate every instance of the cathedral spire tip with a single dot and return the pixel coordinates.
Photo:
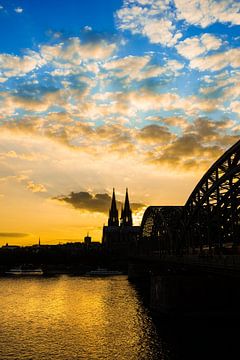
(126, 212)
(113, 212)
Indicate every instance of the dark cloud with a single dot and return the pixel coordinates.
(155, 134)
(12, 234)
(93, 202)
(199, 145)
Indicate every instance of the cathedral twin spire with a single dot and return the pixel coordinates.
(126, 213)
(113, 212)
(126, 216)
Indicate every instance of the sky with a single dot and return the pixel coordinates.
(142, 94)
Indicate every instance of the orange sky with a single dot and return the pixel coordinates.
(39, 169)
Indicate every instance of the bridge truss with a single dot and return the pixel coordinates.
(212, 212)
(210, 219)
(160, 230)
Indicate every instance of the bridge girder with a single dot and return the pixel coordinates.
(212, 211)
(160, 230)
(210, 218)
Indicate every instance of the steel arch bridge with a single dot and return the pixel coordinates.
(160, 230)
(210, 219)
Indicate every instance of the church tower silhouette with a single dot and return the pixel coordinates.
(126, 216)
(118, 239)
(113, 212)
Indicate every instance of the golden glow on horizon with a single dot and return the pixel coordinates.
(41, 169)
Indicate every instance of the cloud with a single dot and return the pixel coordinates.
(28, 156)
(235, 106)
(73, 51)
(160, 20)
(226, 82)
(19, 178)
(201, 143)
(177, 144)
(87, 28)
(155, 134)
(13, 65)
(188, 153)
(206, 12)
(23, 178)
(149, 18)
(161, 31)
(172, 121)
(92, 202)
(72, 128)
(232, 92)
(174, 65)
(146, 100)
(176, 121)
(217, 61)
(12, 234)
(18, 10)
(37, 102)
(192, 47)
(129, 66)
(93, 101)
(62, 59)
(113, 133)
(36, 188)
(138, 68)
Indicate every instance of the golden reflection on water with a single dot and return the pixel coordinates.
(75, 318)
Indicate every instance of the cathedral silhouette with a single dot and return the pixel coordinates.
(119, 237)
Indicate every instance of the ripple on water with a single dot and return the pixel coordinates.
(76, 318)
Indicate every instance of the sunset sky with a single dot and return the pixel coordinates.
(99, 94)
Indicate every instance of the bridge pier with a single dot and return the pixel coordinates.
(188, 292)
(139, 272)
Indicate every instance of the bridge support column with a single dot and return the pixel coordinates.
(139, 272)
(193, 295)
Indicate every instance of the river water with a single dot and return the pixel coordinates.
(67, 318)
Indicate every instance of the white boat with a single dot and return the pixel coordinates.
(24, 270)
(103, 272)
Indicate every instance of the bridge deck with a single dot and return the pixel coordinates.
(224, 264)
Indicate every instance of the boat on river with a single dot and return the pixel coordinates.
(103, 272)
(25, 270)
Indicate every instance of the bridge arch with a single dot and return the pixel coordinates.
(212, 211)
(160, 230)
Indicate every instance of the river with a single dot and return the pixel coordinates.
(65, 318)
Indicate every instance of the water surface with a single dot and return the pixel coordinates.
(76, 318)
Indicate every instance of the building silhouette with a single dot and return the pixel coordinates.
(126, 214)
(113, 212)
(87, 240)
(120, 237)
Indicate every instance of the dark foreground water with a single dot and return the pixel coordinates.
(85, 318)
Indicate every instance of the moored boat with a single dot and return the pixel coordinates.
(103, 272)
(24, 270)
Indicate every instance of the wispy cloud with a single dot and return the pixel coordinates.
(13, 234)
(36, 188)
